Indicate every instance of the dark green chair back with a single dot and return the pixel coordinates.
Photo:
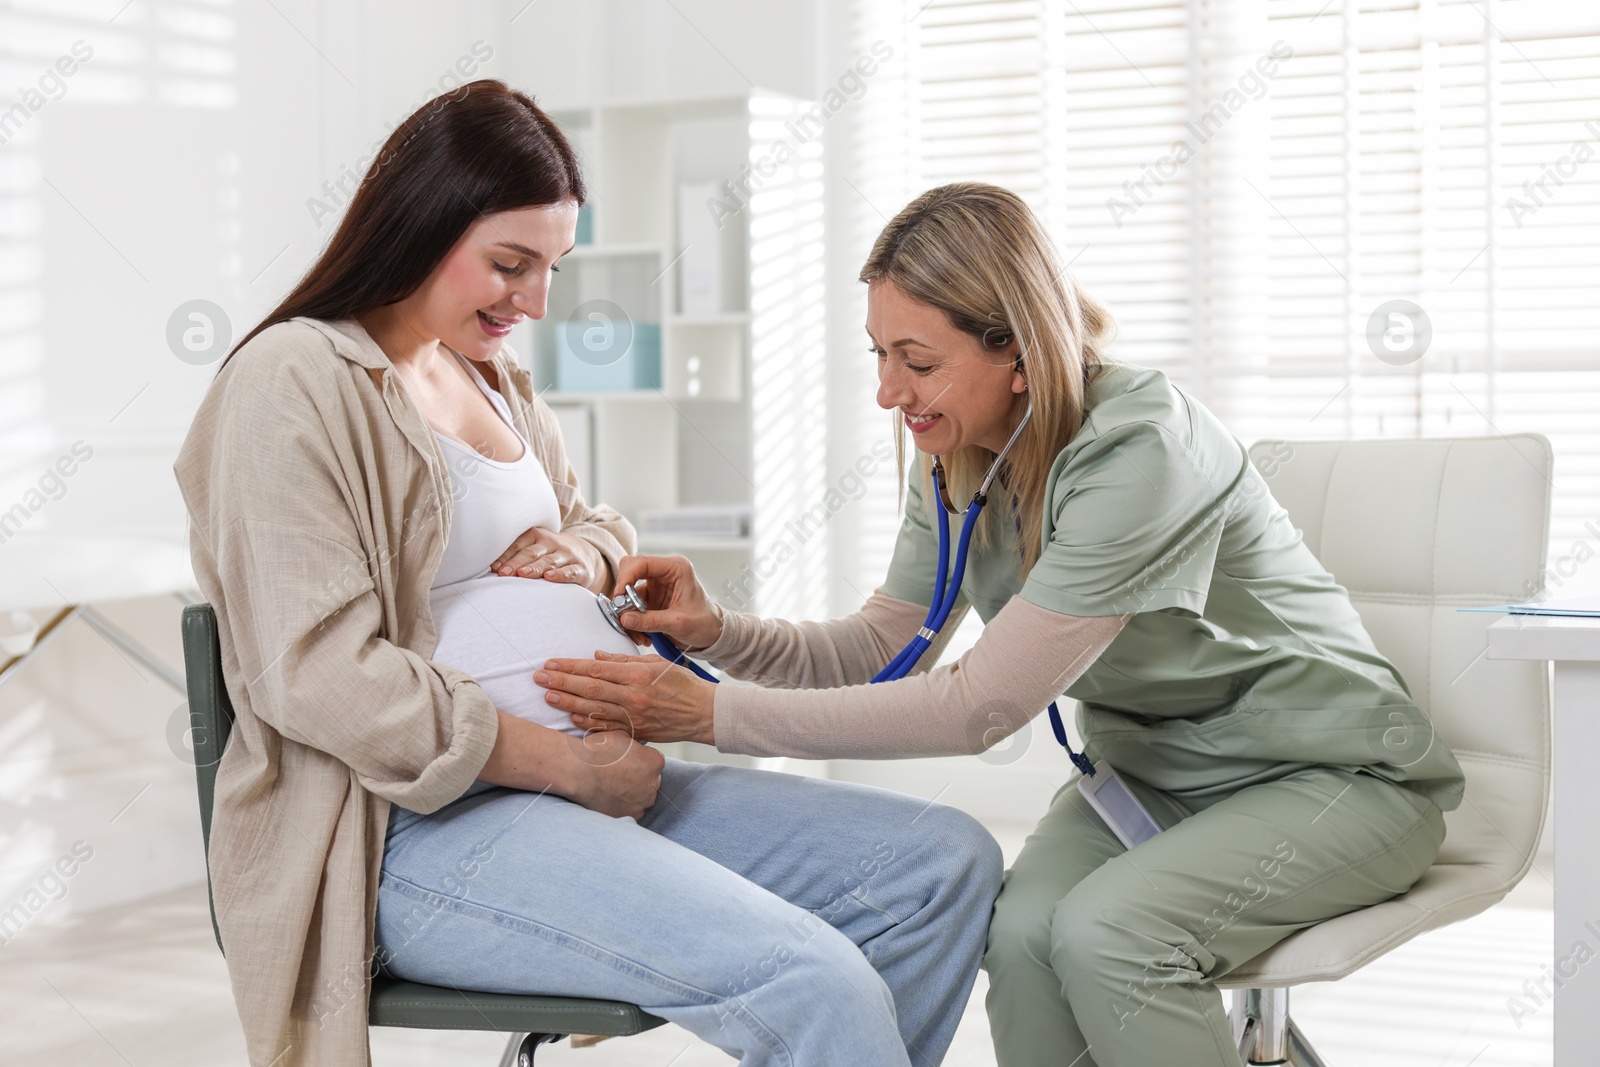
(210, 718)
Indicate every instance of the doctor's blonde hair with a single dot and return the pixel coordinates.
(978, 253)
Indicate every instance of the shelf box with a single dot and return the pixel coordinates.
(675, 544)
(607, 357)
(603, 288)
(715, 521)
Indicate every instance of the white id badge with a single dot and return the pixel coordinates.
(1111, 797)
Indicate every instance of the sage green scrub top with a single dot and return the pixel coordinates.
(1243, 660)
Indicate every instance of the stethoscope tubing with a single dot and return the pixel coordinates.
(947, 588)
(672, 653)
(945, 593)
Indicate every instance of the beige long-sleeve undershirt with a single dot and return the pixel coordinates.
(812, 699)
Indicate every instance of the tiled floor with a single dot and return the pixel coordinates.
(144, 986)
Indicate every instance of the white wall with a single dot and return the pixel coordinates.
(625, 50)
(186, 159)
(177, 164)
(188, 156)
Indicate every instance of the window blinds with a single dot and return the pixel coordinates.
(1253, 185)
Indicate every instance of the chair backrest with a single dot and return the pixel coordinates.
(210, 715)
(1415, 530)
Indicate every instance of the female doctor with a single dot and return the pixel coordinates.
(1132, 558)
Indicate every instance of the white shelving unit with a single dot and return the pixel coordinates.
(738, 418)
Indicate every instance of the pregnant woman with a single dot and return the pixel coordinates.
(397, 794)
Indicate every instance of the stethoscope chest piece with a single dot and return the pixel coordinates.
(611, 607)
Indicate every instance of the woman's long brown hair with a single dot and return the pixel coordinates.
(475, 151)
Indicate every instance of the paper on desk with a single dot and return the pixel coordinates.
(1586, 607)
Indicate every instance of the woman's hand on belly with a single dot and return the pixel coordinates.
(644, 697)
(555, 557)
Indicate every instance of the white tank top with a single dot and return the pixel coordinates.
(500, 630)
(495, 502)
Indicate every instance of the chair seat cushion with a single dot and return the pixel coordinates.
(1476, 868)
(400, 1003)
(1330, 950)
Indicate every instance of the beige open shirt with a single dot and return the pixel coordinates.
(319, 507)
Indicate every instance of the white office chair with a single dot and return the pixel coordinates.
(1415, 530)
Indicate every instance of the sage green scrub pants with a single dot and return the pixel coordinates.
(1103, 957)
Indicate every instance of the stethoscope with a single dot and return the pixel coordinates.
(944, 594)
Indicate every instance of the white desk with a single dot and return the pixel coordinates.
(61, 574)
(50, 570)
(1574, 646)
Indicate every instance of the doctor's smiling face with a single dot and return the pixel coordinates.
(952, 390)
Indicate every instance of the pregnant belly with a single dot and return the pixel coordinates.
(500, 630)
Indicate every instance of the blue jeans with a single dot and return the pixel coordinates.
(783, 919)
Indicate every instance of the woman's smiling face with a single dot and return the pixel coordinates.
(497, 274)
(951, 391)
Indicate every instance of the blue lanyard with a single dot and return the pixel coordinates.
(944, 602)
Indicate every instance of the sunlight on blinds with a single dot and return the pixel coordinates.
(979, 77)
(1126, 228)
(877, 169)
(1325, 218)
(1402, 140)
(787, 386)
(958, 101)
(71, 72)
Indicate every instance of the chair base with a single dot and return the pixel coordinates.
(520, 1049)
(1265, 1033)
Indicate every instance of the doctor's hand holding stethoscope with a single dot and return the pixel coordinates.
(954, 388)
(648, 696)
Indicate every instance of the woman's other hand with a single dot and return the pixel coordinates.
(617, 776)
(606, 771)
(677, 605)
(555, 557)
(640, 696)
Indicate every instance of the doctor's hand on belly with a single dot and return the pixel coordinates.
(555, 557)
(644, 696)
